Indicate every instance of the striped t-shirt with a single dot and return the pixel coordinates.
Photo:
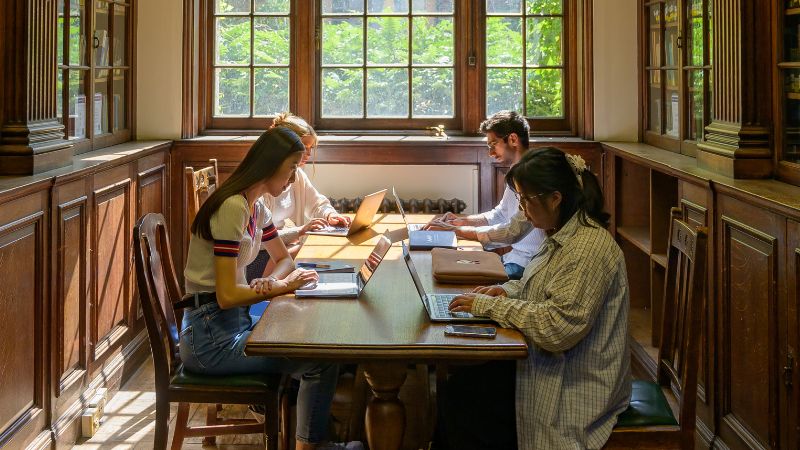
(238, 233)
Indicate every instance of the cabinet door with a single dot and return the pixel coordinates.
(751, 247)
(791, 382)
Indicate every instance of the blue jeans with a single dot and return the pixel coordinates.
(212, 342)
(514, 271)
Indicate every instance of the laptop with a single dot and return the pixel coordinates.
(436, 304)
(363, 219)
(419, 239)
(350, 284)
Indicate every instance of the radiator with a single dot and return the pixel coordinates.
(413, 205)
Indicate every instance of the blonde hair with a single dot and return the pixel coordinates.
(294, 123)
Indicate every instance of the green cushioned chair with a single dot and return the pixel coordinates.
(649, 422)
(158, 290)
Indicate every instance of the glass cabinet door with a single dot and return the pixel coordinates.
(790, 73)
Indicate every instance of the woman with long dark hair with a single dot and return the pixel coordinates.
(572, 306)
(227, 233)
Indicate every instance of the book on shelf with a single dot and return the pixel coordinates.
(99, 100)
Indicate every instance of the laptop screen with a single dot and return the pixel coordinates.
(399, 205)
(374, 259)
(413, 271)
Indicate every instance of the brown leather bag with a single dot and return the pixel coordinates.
(466, 267)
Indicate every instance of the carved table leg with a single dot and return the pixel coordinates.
(386, 416)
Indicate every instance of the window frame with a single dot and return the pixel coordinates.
(470, 109)
(91, 141)
(680, 144)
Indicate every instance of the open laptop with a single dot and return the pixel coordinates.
(419, 239)
(363, 219)
(350, 284)
(436, 304)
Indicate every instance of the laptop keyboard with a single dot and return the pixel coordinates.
(440, 303)
(330, 229)
(336, 277)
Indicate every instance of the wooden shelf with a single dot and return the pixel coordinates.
(660, 259)
(793, 95)
(638, 236)
(792, 11)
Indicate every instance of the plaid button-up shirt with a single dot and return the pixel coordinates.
(572, 306)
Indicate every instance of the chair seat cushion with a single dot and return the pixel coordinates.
(185, 377)
(648, 407)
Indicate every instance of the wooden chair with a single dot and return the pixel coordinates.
(199, 185)
(158, 290)
(649, 422)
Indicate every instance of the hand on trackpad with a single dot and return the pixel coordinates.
(310, 285)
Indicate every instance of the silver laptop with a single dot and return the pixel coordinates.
(410, 226)
(363, 219)
(350, 284)
(419, 239)
(436, 304)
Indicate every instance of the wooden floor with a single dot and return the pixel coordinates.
(129, 421)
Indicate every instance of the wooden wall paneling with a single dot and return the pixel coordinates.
(791, 368)
(111, 255)
(24, 399)
(751, 256)
(696, 204)
(151, 196)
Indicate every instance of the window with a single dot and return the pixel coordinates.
(94, 81)
(677, 73)
(387, 64)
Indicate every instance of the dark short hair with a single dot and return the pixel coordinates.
(503, 123)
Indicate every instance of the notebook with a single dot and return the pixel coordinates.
(467, 267)
(436, 304)
(363, 219)
(419, 239)
(348, 285)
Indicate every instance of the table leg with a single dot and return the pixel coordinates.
(386, 416)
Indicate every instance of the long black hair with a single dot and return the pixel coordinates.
(261, 162)
(548, 170)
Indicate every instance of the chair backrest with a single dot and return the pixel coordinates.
(199, 185)
(158, 289)
(684, 303)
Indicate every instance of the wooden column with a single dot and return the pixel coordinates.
(738, 140)
(31, 138)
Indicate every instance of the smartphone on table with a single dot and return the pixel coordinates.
(470, 331)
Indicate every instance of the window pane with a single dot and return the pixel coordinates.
(654, 35)
(342, 41)
(101, 34)
(387, 40)
(271, 91)
(342, 92)
(544, 96)
(544, 41)
(432, 40)
(271, 43)
(504, 6)
(342, 6)
(671, 50)
(233, 40)
(654, 100)
(696, 116)
(503, 90)
(432, 6)
(433, 92)
(695, 44)
(232, 6)
(387, 6)
(76, 98)
(232, 92)
(503, 41)
(387, 93)
(120, 35)
(272, 6)
(60, 21)
(77, 33)
(118, 100)
(100, 104)
(543, 6)
(672, 106)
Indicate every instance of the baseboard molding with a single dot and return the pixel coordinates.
(66, 430)
(704, 437)
(42, 441)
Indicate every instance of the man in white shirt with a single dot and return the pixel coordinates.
(507, 135)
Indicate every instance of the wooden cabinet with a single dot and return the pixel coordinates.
(790, 373)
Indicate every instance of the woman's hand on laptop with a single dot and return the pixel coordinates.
(336, 220)
(493, 291)
(300, 277)
(313, 225)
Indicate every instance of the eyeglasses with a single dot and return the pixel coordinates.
(491, 144)
(527, 198)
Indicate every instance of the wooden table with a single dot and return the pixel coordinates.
(385, 329)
